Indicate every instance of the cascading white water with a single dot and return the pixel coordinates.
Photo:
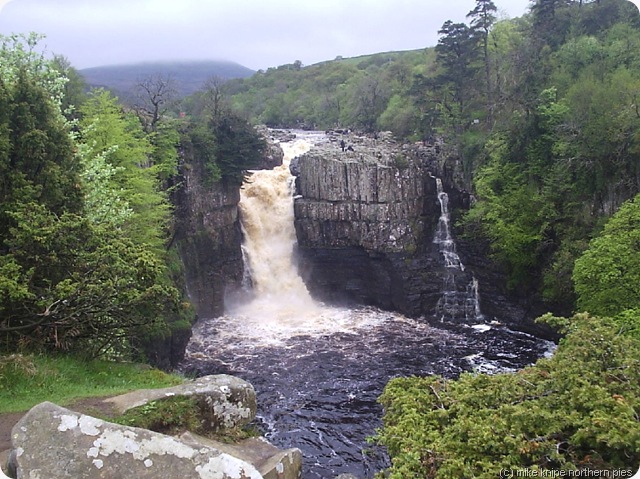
(266, 207)
(443, 234)
(280, 305)
(454, 303)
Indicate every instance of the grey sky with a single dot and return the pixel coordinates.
(255, 33)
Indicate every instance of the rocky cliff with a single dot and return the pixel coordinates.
(366, 220)
(208, 232)
(208, 240)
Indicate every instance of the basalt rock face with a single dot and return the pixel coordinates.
(373, 197)
(208, 236)
(366, 221)
(208, 231)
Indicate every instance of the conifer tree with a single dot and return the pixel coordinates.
(482, 18)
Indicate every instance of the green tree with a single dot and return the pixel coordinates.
(400, 116)
(22, 55)
(199, 139)
(515, 217)
(457, 54)
(116, 140)
(238, 147)
(37, 161)
(515, 212)
(600, 137)
(68, 283)
(75, 87)
(551, 21)
(607, 275)
(368, 101)
(482, 19)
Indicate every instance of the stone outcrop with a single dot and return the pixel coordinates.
(52, 442)
(208, 237)
(373, 197)
(367, 203)
(225, 402)
(364, 221)
(273, 154)
(271, 462)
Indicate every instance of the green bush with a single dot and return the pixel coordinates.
(607, 275)
(578, 409)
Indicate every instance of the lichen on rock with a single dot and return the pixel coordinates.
(54, 443)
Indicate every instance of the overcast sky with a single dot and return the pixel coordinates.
(255, 33)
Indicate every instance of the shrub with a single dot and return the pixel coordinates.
(575, 410)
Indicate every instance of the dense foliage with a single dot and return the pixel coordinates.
(224, 142)
(539, 114)
(575, 410)
(85, 216)
(578, 409)
(359, 92)
(607, 275)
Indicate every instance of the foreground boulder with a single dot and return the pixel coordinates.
(51, 442)
(225, 402)
(271, 462)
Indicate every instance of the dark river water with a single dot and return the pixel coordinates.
(317, 370)
(318, 391)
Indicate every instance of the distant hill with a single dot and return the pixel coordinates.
(188, 76)
(347, 92)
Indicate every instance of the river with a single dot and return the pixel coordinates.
(318, 370)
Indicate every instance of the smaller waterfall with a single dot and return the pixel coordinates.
(443, 234)
(458, 300)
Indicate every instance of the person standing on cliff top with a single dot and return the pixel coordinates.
(342, 144)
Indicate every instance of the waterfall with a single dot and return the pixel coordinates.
(443, 233)
(266, 208)
(457, 301)
(280, 305)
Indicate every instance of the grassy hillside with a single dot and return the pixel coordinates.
(188, 76)
(349, 92)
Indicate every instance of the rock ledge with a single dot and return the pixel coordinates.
(52, 442)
